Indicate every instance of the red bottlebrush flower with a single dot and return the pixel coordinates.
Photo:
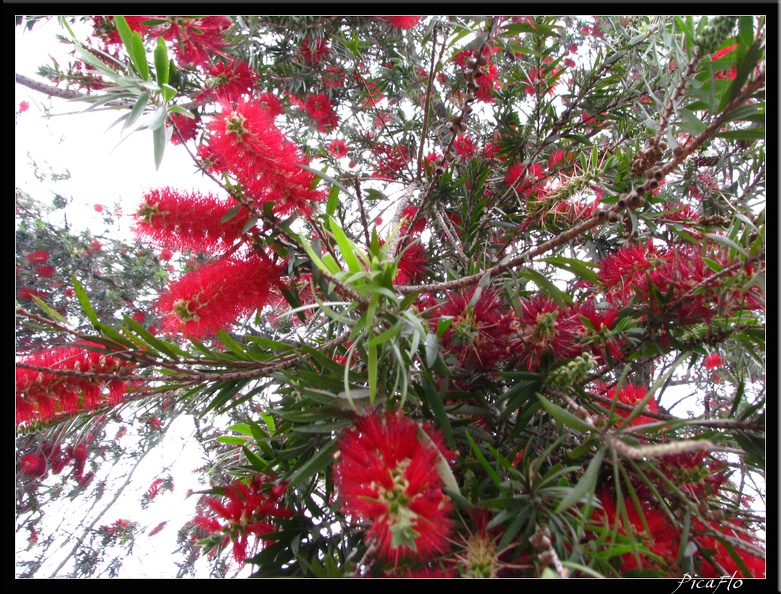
(402, 22)
(597, 335)
(413, 264)
(105, 29)
(333, 77)
(271, 104)
(386, 472)
(98, 207)
(557, 157)
(631, 395)
(23, 106)
(755, 565)
(39, 257)
(464, 147)
(662, 539)
(232, 79)
(313, 50)
(250, 509)
(408, 214)
(245, 143)
(154, 422)
(338, 148)
(318, 106)
(713, 361)
(166, 254)
(96, 245)
(488, 82)
(33, 464)
(188, 220)
(212, 297)
(157, 529)
(41, 396)
(627, 268)
(390, 160)
(478, 335)
(529, 178)
(196, 39)
(28, 294)
(154, 489)
(187, 127)
(732, 71)
(45, 271)
(545, 328)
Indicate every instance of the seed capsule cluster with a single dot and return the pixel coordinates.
(648, 157)
(714, 33)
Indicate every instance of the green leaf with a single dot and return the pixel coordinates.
(84, 301)
(258, 463)
(315, 464)
(158, 140)
(139, 53)
(726, 241)
(577, 267)
(585, 485)
(443, 468)
(172, 351)
(161, 62)
(50, 311)
(747, 134)
(327, 178)
(232, 212)
(126, 35)
(691, 124)
(488, 468)
(158, 118)
(565, 417)
(137, 111)
(346, 247)
(559, 296)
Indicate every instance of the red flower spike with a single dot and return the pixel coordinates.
(43, 396)
(387, 474)
(39, 257)
(245, 143)
(631, 395)
(479, 333)
(212, 297)
(402, 22)
(250, 509)
(713, 361)
(545, 328)
(193, 221)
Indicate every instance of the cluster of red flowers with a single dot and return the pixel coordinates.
(402, 22)
(42, 396)
(245, 143)
(319, 108)
(662, 540)
(212, 297)
(485, 333)
(195, 39)
(486, 75)
(313, 50)
(230, 81)
(251, 509)
(629, 395)
(52, 457)
(386, 473)
(647, 274)
(390, 160)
